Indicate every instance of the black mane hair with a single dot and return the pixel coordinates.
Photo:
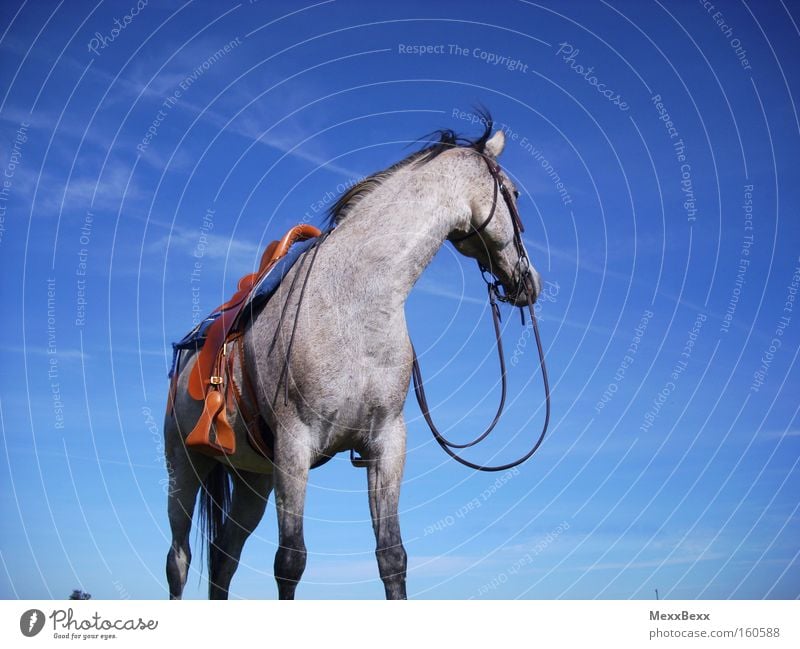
(435, 143)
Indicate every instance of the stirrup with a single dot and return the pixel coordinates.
(213, 415)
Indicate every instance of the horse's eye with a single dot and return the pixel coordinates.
(516, 193)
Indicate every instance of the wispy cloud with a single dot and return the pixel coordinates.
(61, 354)
(249, 125)
(103, 192)
(440, 291)
(582, 261)
(780, 434)
(651, 563)
(138, 86)
(238, 256)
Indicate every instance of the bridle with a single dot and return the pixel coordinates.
(495, 295)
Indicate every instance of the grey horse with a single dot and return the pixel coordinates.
(347, 376)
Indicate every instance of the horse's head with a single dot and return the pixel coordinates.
(493, 232)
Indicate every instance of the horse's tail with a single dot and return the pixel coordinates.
(215, 504)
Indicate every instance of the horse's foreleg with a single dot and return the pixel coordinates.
(291, 476)
(186, 472)
(250, 495)
(384, 474)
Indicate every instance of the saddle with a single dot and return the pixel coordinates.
(218, 337)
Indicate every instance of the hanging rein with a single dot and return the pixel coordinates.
(495, 295)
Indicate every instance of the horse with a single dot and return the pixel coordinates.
(339, 375)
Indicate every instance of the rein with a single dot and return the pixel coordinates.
(494, 296)
(447, 445)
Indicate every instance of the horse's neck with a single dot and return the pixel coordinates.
(393, 233)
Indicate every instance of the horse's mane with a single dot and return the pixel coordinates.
(436, 142)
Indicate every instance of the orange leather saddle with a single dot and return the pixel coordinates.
(211, 377)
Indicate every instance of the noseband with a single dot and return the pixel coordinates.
(494, 285)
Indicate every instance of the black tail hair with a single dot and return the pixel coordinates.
(215, 505)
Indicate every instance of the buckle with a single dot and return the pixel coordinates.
(215, 380)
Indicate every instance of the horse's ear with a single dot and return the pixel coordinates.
(495, 144)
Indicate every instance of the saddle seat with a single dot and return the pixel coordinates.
(211, 379)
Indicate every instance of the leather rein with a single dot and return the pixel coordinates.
(494, 285)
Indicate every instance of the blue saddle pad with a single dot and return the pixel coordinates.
(259, 296)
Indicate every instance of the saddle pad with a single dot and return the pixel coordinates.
(259, 297)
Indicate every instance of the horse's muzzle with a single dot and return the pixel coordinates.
(523, 289)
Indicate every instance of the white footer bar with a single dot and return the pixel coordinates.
(385, 625)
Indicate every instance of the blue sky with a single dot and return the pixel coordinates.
(672, 461)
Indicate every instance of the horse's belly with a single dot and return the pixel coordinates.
(366, 404)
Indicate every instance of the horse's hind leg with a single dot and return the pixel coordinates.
(186, 472)
(250, 495)
(386, 458)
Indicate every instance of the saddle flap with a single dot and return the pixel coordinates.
(203, 368)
